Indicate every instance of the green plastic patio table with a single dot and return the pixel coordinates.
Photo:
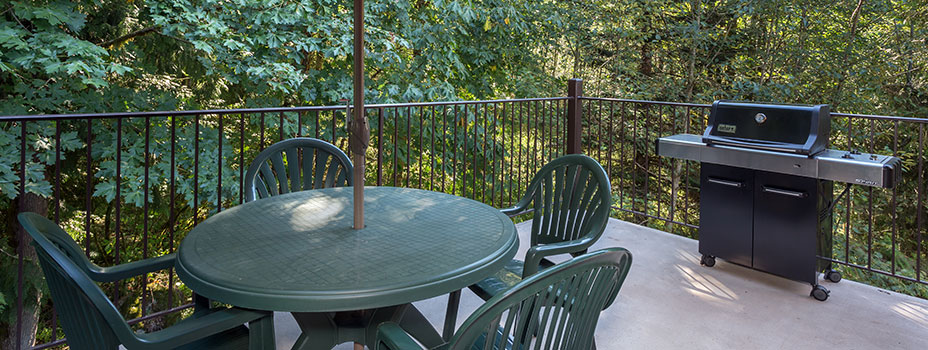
(298, 253)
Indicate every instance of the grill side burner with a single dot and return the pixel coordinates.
(767, 187)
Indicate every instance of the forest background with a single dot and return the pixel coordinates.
(88, 56)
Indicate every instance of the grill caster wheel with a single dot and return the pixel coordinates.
(707, 260)
(819, 292)
(833, 276)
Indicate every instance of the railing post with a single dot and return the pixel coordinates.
(574, 116)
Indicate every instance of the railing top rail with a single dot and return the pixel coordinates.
(699, 105)
(881, 117)
(664, 103)
(37, 117)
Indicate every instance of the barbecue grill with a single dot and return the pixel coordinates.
(767, 186)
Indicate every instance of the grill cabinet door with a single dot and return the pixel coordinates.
(785, 225)
(725, 212)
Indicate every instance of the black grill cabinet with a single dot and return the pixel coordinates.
(761, 220)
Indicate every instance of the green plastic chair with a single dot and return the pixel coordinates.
(570, 199)
(297, 164)
(91, 321)
(561, 304)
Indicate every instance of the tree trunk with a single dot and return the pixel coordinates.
(851, 35)
(31, 298)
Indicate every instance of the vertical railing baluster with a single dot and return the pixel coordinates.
(421, 150)
(512, 147)
(280, 135)
(145, 186)
(196, 166)
(57, 171)
(54, 324)
(88, 182)
(660, 166)
(485, 154)
(496, 191)
(380, 146)
(408, 138)
(432, 150)
(870, 209)
(533, 133)
(219, 166)
(465, 124)
(624, 141)
(454, 152)
(299, 124)
(919, 209)
(634, 160)
(241, 158)
(118, 225)
(611, 132)
(474, 155)
(172, 220)
(544, 132)
(686, 174)
(847, 200)
(599, 141)
(892, 267)
(316, 129)
(444, 145)
(522, 146)
(671, 171)
(261, 143)
(20, 247)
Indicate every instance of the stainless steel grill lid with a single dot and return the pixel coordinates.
(799, 129)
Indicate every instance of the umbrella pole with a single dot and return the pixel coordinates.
(359, 116)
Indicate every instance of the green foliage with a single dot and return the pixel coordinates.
(867, 60)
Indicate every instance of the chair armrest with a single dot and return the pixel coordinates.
(132, 269)
(535, 254)
(390, 336)
(193, 329)
(514, 211)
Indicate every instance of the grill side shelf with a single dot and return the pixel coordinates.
(842, 166)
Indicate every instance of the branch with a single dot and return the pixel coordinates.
(129, 36)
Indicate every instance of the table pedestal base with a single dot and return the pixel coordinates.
(324, 330)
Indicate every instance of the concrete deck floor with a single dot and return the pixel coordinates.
(669, 301)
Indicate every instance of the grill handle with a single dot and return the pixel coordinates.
(794, 194)
(753, 145)
(728, 183)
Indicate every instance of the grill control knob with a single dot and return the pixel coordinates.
(760, 118)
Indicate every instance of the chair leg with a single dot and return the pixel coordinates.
(261, 334)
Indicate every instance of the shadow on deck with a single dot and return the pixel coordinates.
(671, 302)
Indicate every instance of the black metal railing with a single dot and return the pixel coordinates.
(128, 186)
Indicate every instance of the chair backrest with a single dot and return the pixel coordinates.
(297, 164)
(88, 318)
(571, 198)
(557, 308)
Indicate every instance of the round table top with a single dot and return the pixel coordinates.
(298, 252)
